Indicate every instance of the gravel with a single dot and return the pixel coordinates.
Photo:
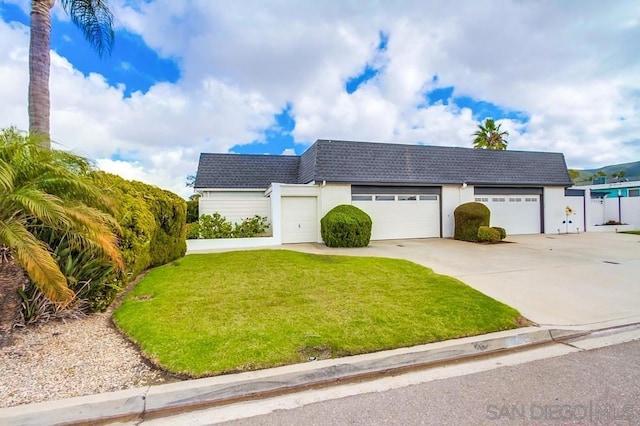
(62, 360)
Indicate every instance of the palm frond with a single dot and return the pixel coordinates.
(95, 230)
(33, 255)
(36, 204)
(95, 20)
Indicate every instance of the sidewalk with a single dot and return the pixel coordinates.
(136, 405)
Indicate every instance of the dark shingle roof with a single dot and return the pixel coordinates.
(245, 171)
(383, 163)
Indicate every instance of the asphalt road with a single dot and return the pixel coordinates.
(600, 386)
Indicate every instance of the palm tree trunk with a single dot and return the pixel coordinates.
(12, 277)
(39, 66)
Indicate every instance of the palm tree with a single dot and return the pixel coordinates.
(46, 189)
(94, 19)
(489, 136)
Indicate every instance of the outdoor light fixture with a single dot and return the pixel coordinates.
(619, 207)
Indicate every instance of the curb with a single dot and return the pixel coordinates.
(156, 401)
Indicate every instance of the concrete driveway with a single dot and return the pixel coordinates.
(591, 280)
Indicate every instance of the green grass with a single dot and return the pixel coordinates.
(630, 232)
(229, 312)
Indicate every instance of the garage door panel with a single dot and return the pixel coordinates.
(299, 220)
(517, 214)
(399, 219)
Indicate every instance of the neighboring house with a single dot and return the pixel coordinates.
(613, 189)
(612, 202)
(410, 191)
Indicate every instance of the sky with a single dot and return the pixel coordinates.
(273, 76)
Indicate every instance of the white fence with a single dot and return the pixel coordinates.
(625, 210)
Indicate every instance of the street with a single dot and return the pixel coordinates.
(595, 380)
(600, 386)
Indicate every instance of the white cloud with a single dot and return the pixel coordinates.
(570, 67)
(289, 151)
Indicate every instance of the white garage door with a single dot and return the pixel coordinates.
(299, 220)
(401, 216)
(517, 214)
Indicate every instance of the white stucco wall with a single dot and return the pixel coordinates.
(577, 218)
(554, 208)
(452, 196)
(333, 195)
(235, 206)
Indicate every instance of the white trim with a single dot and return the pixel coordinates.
(205, 246)
(230, 189)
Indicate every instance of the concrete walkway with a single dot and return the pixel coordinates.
(586, 280)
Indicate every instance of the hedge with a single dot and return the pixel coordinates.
(489, 235)
(346, 226)
(469, 217)
(153, 222)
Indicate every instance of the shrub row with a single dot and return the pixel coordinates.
(217, 226)
(152, 221)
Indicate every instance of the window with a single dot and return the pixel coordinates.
(482, 199)
(385, 197)
(361, 197)
(428, 198)
(530, 200)
(634, 192)
(515, 200)
(499, 200)
(407, 198)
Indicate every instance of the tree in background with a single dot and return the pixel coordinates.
(490, 136)
(192, 208)
(93, 18)
(574, 175)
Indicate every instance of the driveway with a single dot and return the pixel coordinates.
(590, 280)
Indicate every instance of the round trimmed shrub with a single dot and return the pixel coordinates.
(488, 235)
(469, 217)
(346, 226)
(501, 231)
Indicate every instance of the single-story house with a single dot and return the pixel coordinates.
(613, 190)
(410, 191)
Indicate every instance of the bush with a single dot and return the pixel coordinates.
(501, 231)
(153, 222)
(192, 208)
(346, 226)
(251, 227)
(193, 231)
(489, 235)
(217, 226)
(469, 217)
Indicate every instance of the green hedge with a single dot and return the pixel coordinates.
(488, 235)
(469, 217)
(346, 226)
(153, 222)
(501, 231)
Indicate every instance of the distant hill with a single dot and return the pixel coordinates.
(631, 172)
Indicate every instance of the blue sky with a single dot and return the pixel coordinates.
(271, 79)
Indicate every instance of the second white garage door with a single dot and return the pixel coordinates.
(401, 216)
(299, 220)
(517, 214)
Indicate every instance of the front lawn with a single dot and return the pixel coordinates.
(228, 312)
(631, 232)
